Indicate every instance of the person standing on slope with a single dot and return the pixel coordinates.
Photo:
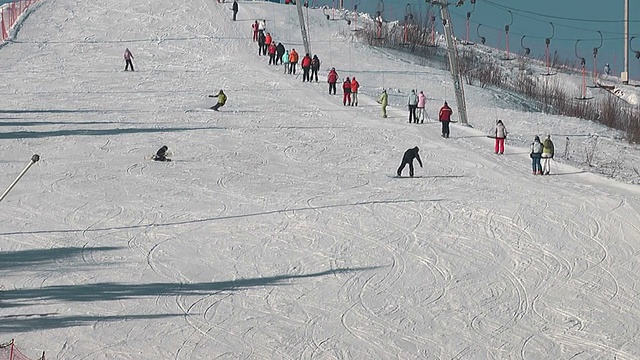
(315, 66)
(234, 7)
(412, 102)
(355, 85)
(293, 61)
(261, 41)
(445, 117)
(407, 159)
(332, 79)
(306, 68)
(222, 99)
(279, 52)
(421, 102)
(547, 154)
(346, 92)
(500, 135)
(267, 41)
(285, 61)
(272, 54)
(383, 100)
(254, 27)
(128, 57)
(535, 155)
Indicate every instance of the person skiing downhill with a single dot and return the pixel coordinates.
(332, 79)
(607, 69)
(547, 154)
(407, 159)
(346, 92)
(355, 85)
(128, 57)
(383, 100)
(222, 99)
(412, 102)
(421, 102)
(500, 135)
(445, 117)
(535, 155)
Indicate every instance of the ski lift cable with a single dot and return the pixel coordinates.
(618, 37)
(453, 13)
(503, 7)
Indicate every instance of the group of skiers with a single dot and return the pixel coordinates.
(278, 54)
(541, 152)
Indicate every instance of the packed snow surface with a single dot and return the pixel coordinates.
(279, 230)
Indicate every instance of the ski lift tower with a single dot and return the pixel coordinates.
(452, 52)
(303, 28)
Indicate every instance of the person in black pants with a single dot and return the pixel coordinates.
(235, 9)
(261, 43)
(408, 157)
(315, 66)
(279, 52)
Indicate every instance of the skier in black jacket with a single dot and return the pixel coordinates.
(315, 66)
(261, 45)
(161, 155)
(279, 52)
(408, 157)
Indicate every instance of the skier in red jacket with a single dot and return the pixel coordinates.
(354, 91)
(332, 79)
(445, 118)
(306, 67)
(346, 89)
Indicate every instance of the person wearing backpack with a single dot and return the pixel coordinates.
(536, 155)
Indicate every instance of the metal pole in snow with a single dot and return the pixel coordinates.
(34, 159)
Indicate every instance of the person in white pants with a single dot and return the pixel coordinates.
(547, 155)
(421, 101)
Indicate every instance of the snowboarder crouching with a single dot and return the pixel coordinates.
(222, 99)
(408, 157)
(161, 155)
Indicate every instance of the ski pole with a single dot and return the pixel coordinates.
(34, 159)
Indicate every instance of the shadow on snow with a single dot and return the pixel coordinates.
(31, 322)
(41, 257)
(94, 132)
(117, 291)
(270, 212)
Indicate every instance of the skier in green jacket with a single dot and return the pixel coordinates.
(222, 99)
(383, 100)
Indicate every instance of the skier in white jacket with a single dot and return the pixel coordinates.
(412, 102)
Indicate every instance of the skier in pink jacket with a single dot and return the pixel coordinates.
(128, 56)
(421, 101)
